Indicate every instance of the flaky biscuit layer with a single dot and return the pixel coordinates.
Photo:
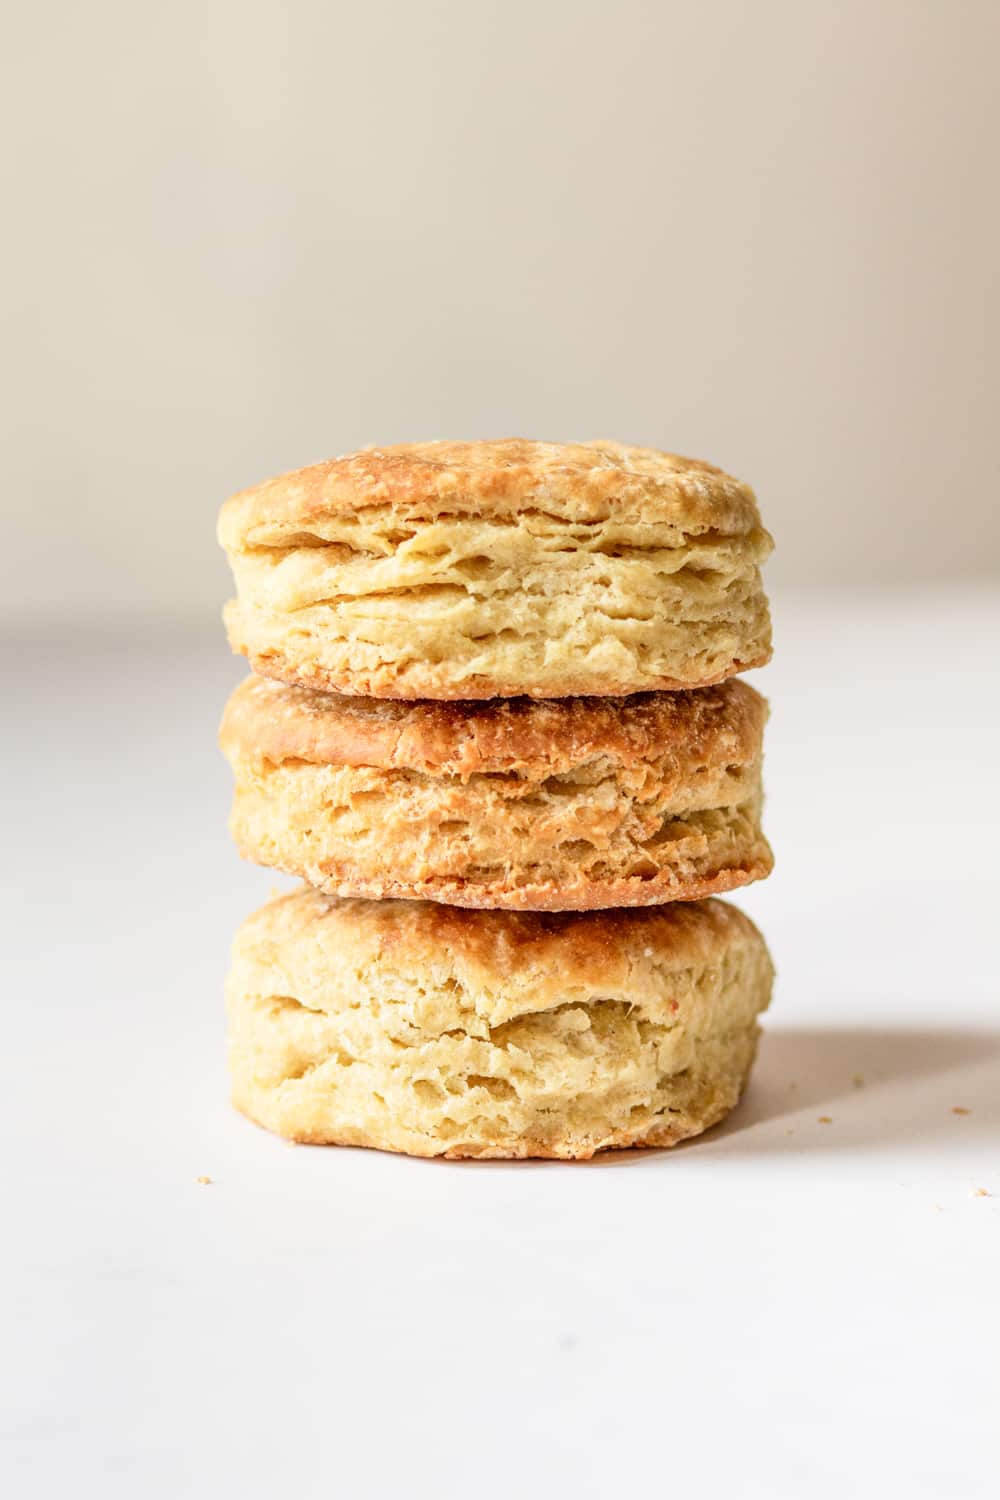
(440, 1032)
(567, 804)
(480, 570)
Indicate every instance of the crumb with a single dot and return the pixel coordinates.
(981, 1193)
(205, 1181)
(789, 1132)
(824, 1119)
(858, 1081)
(647, 952)
(959, 1109)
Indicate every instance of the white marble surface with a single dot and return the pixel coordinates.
(787, 1308)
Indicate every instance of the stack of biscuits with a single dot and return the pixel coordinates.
(494, 725)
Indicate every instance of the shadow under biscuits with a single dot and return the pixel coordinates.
(856, 1089)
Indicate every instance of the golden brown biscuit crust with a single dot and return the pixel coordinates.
(423, 682)
(533, 737)
(579, 481)
(438, 1032)
(571, 804)
(512, 961)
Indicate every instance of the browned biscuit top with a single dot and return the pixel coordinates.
(572, 481)
(541, 954)
(272, 720)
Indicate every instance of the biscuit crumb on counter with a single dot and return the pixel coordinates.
(824, 1119)
(959, 1109)
(981, 1193)
(205, 1181)
(858, 1081)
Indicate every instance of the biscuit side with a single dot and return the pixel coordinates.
(359, 1027)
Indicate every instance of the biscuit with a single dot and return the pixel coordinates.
(573, 803)
(498, 569)
(414, 1027)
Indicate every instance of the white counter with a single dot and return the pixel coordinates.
(786, 1308)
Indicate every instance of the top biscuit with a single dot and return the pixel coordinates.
(497, 569)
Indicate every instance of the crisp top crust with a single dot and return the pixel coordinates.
(574, 481)
(269, 719)
(585, 953)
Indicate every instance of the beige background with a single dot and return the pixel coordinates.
(244, 236)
